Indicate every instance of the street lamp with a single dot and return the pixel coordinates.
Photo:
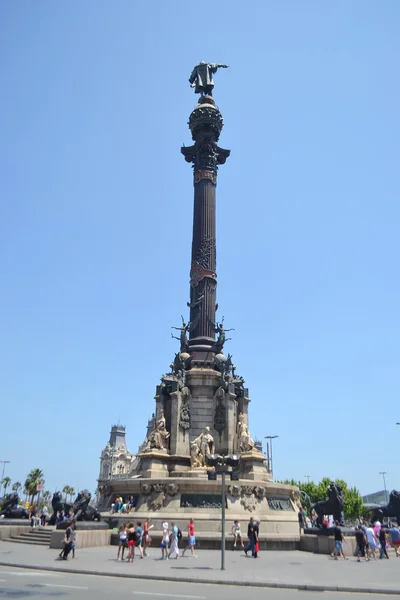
(269, 452)
(221, 463)
(5, 462)
(383, 473)
(308, 478)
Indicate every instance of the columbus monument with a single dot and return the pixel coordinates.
(202, 404)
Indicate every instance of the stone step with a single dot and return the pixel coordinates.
(32, 536)
(19, 540)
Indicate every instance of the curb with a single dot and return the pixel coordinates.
(259, 584)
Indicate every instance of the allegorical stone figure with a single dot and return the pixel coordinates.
(159, 434)
(202, 77)
(245, 443)
(202, 445)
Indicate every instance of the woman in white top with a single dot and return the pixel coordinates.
(165, 542)
(121, 541)
(237, 534)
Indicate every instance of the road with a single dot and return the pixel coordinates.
(37, 585)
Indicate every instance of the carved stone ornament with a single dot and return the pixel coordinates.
(172, 489)
(158, 487)
(234, 490)
(259, 492)
(145, 488)
(202, 445)
(210, 175)
(249, 502)
(247, 490)
(295, 496)
(157, 502)
(280, 504)
(184, 414)
(220, 411)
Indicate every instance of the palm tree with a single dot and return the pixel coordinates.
(71, 493)
(66, 491)
(5, 483)
(46, 496)
(35, 477)
(16, 486)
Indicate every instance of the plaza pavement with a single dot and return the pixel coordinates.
(286, 569)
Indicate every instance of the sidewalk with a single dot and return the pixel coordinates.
(290, 569)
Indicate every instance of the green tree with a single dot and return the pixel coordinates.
(71, 493)
(5, 483)
(35, 477)
(67, 491)
(16, 486)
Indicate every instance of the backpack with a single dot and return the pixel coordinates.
(179, 536)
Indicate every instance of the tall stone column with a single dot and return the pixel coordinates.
(205, 123)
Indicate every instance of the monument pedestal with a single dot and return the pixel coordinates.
(252, 466)
(153, 464)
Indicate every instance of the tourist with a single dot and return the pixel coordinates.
(68, 540)
(339, 539)
(361, 540)
(377, 526)
(237, 534)
(302, 520)
(122, 544)
(174, 549)
(131, 504)
(131, 533)
(139, 538)
(250, 535)
(73, 537)
(32, 517)
(165, 542)
(383, 541)
(256, 533)
(394, 533)
(373, 542)
(191, 539)
(44, 515)
(146, 536)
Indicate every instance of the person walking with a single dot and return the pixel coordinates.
(191, 539)
(131, 532)
(383, 542)
(361, 540)
(256, 533)
(44, 515)
(394, 533)
(339, 539)
(139, 538)
(302, 520)
(174, 549)
(237, 534)
(69, 540)
(250, 535)
(146, 536)
(165, 542)
(122, 543)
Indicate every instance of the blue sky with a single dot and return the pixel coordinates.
(96, 216)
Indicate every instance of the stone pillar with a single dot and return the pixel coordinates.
(205, 123)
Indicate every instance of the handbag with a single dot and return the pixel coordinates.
(257, 547)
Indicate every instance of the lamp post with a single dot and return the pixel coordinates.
(383, 473)
(269, 452)
(221, 463)
(5, 462)
(308, 478)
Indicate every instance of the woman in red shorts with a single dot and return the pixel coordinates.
(131, 541)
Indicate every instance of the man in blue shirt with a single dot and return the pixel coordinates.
(395, 537)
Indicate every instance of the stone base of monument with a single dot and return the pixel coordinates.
(14, 522)
(84, 525)
(181, 498)
(321, 541)
(12, 529)
(252, 466)
(84, 538)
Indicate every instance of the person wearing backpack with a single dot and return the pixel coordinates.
(174, 540)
